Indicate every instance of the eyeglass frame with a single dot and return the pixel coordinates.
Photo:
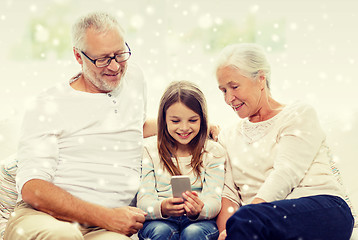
(110, 58)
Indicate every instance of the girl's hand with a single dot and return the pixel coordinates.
(193, 205)
(172, 207)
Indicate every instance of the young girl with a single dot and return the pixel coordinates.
(181, 148)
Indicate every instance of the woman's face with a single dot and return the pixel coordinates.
(241, 93)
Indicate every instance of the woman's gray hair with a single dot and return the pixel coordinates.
(99, 21)
(249, 58)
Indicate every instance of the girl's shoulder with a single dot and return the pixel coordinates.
(215, 149)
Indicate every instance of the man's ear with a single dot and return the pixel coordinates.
(77, 56)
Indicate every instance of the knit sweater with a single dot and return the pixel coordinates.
(284, 157)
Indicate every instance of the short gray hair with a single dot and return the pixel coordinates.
(249, 58)
(99, 21)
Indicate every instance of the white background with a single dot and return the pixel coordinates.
(316, 60)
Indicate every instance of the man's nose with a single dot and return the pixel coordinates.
(113, 65)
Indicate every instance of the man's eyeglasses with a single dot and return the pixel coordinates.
(105, 61)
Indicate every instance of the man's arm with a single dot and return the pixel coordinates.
(150, 128)
(47, 197)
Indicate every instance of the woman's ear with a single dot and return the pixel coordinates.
(77, 56)
(262, 79)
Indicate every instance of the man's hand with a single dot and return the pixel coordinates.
(193, 204)
(47, 197)
(172, 207)
(125, 220)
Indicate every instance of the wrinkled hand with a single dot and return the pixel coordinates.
(257, 200)
(125, 220)
(193, 204)
(222, 235)
(214, 131)
(172, 207)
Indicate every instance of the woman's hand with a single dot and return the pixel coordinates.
(172, 207)
(257, 201)
(222, 235)
(214, 131)
(193, 205)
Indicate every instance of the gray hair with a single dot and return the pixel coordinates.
(248, 58)
(99, 21)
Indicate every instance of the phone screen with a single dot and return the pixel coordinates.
(180, 184)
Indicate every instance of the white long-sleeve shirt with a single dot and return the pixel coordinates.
(89, 144)
(281, 158)
(155, 185)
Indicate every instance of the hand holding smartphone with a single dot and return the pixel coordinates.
(180, 184)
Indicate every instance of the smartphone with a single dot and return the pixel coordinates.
(180, 184)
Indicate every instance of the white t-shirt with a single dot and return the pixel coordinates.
(89, 144)
(281, 158)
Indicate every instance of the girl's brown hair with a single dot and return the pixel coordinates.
(190, 95)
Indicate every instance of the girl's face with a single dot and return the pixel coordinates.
(183, 124)
(241, 93)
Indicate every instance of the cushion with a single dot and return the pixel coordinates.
(8, 193)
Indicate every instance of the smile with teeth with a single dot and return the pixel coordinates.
(184, 135)
(237, 107)
(111, 74)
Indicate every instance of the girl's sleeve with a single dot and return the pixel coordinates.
(298, 142)
(230, 191)
(213, 182)
(148, 199)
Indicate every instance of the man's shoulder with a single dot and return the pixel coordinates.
(135, 72)
(52, 92)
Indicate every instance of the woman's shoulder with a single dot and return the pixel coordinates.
(299, 108)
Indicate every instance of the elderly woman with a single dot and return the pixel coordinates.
(278, 175)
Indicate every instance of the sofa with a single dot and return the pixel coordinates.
(8, 165)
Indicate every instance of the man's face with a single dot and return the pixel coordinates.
(99, 45)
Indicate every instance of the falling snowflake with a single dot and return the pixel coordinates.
(150, 209)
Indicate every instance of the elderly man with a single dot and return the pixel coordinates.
(81, 145)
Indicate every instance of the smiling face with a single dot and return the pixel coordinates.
(98, 45)
(183, 124)
(243, 94)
